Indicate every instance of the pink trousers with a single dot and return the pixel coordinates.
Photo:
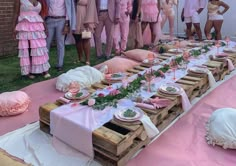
(121, 33)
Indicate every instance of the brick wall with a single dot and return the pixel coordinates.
(8, 46)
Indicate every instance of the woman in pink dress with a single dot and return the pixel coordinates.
(29, 30)
(151, 17)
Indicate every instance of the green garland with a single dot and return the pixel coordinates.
(111, 100)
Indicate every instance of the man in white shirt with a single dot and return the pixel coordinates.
(190, 14)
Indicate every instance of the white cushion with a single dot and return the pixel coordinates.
(85, 76)
(221, 128)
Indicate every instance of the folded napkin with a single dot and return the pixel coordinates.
(154, 104)
(230, 64)
(211, 78)
(186, 105)
(149, 127)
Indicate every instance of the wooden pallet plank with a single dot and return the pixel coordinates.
(109, 135)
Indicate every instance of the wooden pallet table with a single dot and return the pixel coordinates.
(116, 141)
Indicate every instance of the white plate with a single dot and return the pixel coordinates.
(119, 76)
(69, 96)
(208, 41)
(198, 70)
(232, 50)
(175, 50)
(120, 115)
(154, 61)
(194, 44)
(165, 88)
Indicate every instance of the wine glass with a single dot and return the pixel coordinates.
(177, 45)
(74, 88)
(173, 66)
(227, 39)
(186, 56)
(217, 46)
(148, 76)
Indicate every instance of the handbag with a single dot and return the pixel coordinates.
(86, 34)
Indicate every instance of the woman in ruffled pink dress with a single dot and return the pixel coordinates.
(30, 31)
(151, 16)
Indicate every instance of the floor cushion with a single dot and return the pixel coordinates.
(13, 103)
(85, 76)
(118, 64)
(221, 128)
(138, 54)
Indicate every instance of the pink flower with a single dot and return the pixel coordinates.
(101, 95)
(114, 92)
(91, 102)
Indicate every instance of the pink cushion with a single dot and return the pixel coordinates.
(138, 54)
(118, 64)
(13, 103)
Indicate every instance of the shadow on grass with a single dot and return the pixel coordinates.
(11, 79)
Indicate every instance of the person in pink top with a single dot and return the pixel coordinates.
(190, 14)
(168, 12)
(122, 28)
(30, 31)
(151, 16)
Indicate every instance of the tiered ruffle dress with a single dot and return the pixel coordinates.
(33, 53)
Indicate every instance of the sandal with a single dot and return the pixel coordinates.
(77, 61)
(87, 63)
(30, 76)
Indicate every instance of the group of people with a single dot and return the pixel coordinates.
(37, 22)
(191, 16)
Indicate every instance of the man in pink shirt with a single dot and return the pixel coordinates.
(190, 14)
(60, 20)
(122, 28)
(108, 16)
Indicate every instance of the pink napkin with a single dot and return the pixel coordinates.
(154, 103)
(230, 64)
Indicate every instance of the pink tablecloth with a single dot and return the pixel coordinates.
(74, 125)
(39, 93)
(184, 143)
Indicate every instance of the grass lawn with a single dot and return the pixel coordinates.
(10, 76)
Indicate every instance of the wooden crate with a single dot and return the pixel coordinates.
(117, 140)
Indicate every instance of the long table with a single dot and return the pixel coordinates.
(116, 141)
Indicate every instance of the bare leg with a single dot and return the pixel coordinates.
(164, 18)
(217, 24)
(171, 19)
(79, 47)
(143, 26)
(153, 31)
(198, 31)
(188, 30)
(208, 27)
(86, 48)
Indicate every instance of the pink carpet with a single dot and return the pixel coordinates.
(39, 93)
(184, 143)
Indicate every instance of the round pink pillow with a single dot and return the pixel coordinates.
(13, 103)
